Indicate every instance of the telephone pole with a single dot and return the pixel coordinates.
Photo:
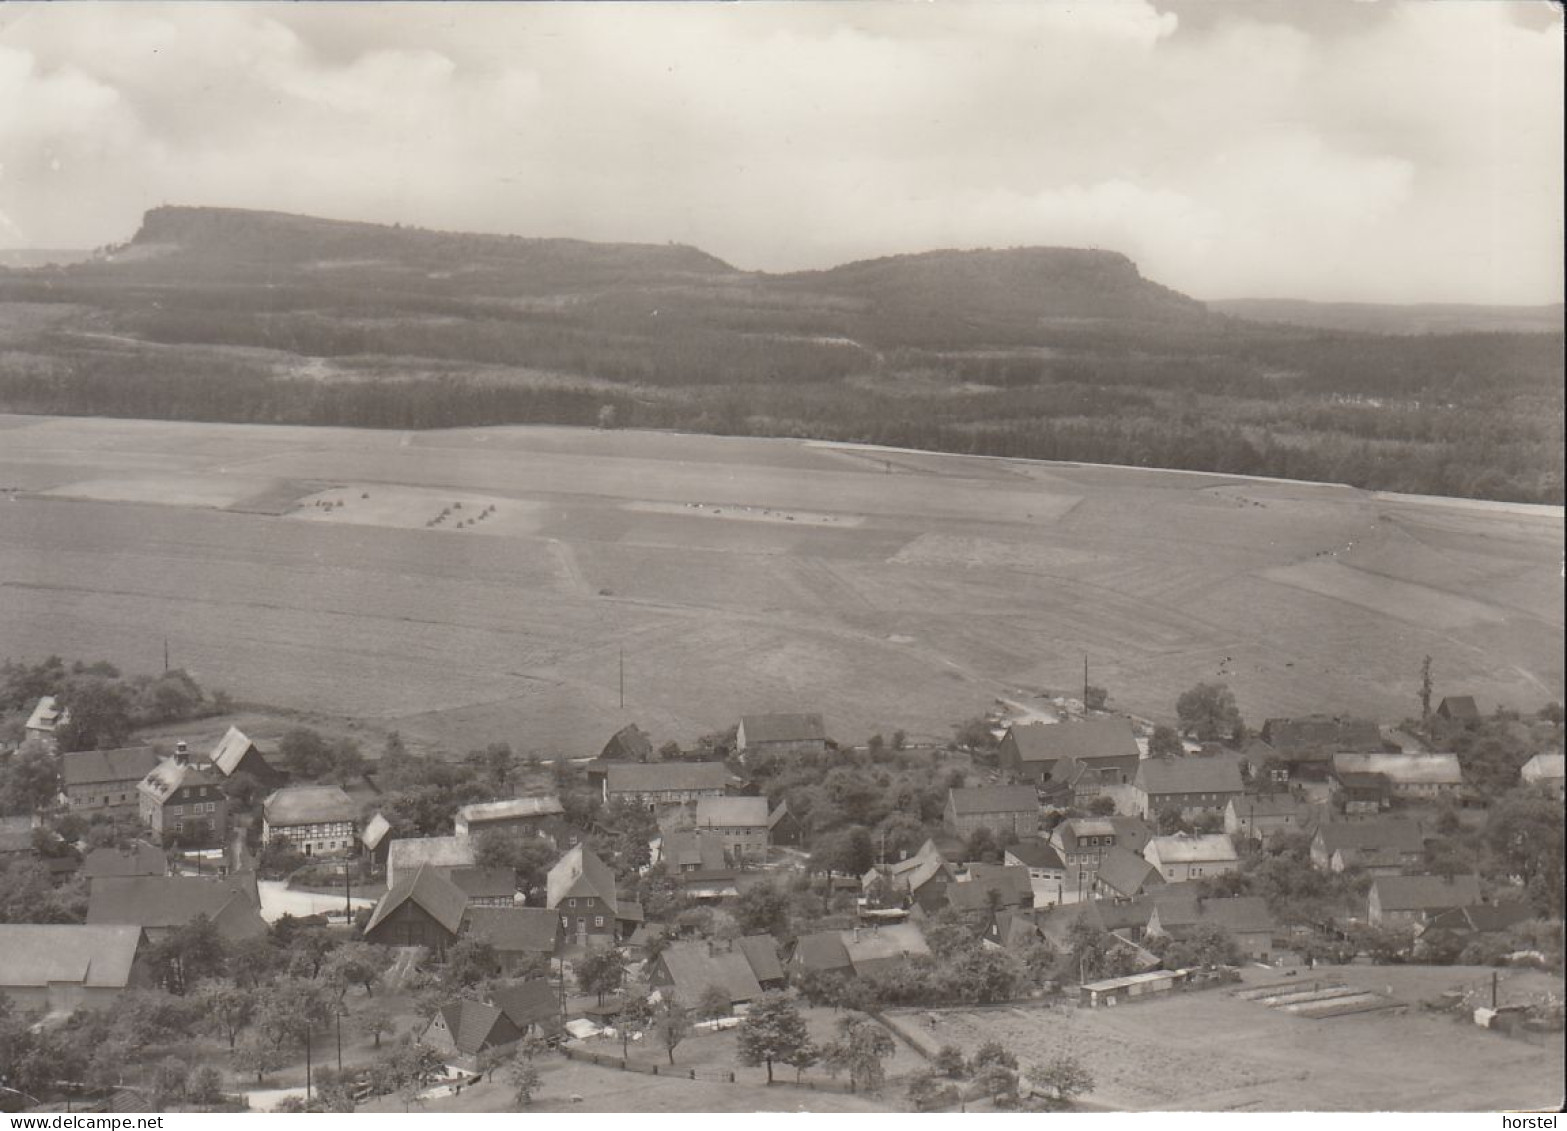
(1085, 681)
(165, 655)
(622, 679)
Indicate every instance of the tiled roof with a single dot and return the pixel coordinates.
(36, 955)
(534, 1002)
(139, 859)
(1426, 893)
(865, 945)
(994, 799)
(731, 812)
(427, 888)
(1035, 852)
(407, 853)
(46, 714)
(784, 728)
(1186, 848)
(580, 873)
(514, 809)
(89, 767)
(483, 883)
(374, 831)
(694, 966)
(1084, 741)
(472, 1025)
(1408, 769)
(165, 902)
(514, 930)
(308, 805)
(172, 774)
(823, 951)
(1459, 707)
(1400, 835)
(1216, 773)
(1321, 732)
(628, 744)
(231, 750)
(761, 951)
(1126, 873)
(1238, 913)
(664, 777)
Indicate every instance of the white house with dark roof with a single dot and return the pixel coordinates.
(1000, 808)
(62, 967)
(1188, 856)
(317, 820)
(781, 734)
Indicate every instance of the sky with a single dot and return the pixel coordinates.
(1335, 150)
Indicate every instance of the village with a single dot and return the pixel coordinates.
(194, 918)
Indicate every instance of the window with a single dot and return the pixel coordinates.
(598, 920)
(571, 903)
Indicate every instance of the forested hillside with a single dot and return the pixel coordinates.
(215, 314)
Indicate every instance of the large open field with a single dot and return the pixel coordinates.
(1213, 1051)
(314, 570)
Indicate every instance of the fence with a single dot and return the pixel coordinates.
(720, 1075)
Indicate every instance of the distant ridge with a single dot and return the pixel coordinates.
(1394, 318)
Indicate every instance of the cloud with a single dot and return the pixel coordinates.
(1390, 151)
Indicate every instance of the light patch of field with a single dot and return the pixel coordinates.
(165, 490)
(415, 508)
(955, 550)
(1414, 604)
(747, 514)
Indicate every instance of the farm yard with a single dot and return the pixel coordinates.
(1211, 1050)
(309, 570)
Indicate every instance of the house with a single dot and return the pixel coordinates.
(527, 816)
(1112, 991)
(104, 781)
(761, 951)
(532, 1006)
(1040, 857)
(1458, 709)
(1244, 918)
(46, 718)
(1083, 841)
(695, 860)
(657, 784)
(1072, 784)
(1123, 875)
(783, 827)
(821, 952)
(423, 908)
(920, 880)
(316, 820)
(740, 824)
(406, 854)
(1412, 776)
(1106, 746)
(376, 840)
(184, 804)
(161, 905)
(1360, 794)
(1193, 785)
(1326, 733)
(1186, 856)
(139, 859)
(990, 887)
(235, 753)
(485, 887)
(17, 836)
(1012, 930)
(1402, 900)
(581, 890)
(1261, 817)
(628, 744)
(999, 808)
(518, 934)
(1262, 765)
(462, 1030)
(873, 949)
(1389, 842)
(59, 968)
(1545, 771)
(781, 734)
(685, 971)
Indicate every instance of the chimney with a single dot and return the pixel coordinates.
(182, 753)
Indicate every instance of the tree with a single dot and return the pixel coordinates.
(974, 734)
(930, 1092)
(1525, 833)
(983, 846)
(715, 1002)
(529, 857)
(205, 1086)
(1063, 1075)
(1165, 742)
(989, 1053)
(763, 910)
(1208, 712)
(227, 1007)
(802, 1058)
(357, 964)
(772, 1031)
(949, 1062)
(470, 961)
(187, 955)
(998, 1083)
(844, 851)
(861, 1047)
(524, 1079)
(374, 1019)
(99, 717)
(256, 1053)
(633, 1016)
(169, 1081)
(671, 1025)
(601, 972)
(606, 416)
(30, 783)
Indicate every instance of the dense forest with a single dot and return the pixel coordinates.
(1043, 353)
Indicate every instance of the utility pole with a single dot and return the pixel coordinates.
(1085, 681)
(348, 908)
(339, 1012)
(1495, 977)
(165, 655)
(622, 679)
(307, 1063)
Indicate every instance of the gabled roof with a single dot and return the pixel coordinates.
(1321, 732)
(731, 812)
(1459, 707)
(168, 902)
(580, 874)
(16, 834)
(1126, 873)
(784, 728)
(822, 951)
(1131, 832)
(172, 774)
(694, 966)
(1215, 773)
(628, 744)
(407, 853)
(778, 814)
(427, 888)
(514, 930)
(516, 808)
(1185, 848)
(1544, 767)
(36, 955)
(994, 799)
(663, 777)
(1011, 880)
(761, 951)
(1247, 913)
(1390, 833)
(139, 859)
(308, 805)
(1016, 932)
(1406, 769)
(1425, 893)
(483, 883)
(46, 714)
(375, 831)
(534, 1002)
(1362, 782)
(867, 945)
(89, 767)
(1035, 852)
(1084, 741)
(231, 750)
(475, 1025)
(1274, 806)
(692, 848)
(1482, 917)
